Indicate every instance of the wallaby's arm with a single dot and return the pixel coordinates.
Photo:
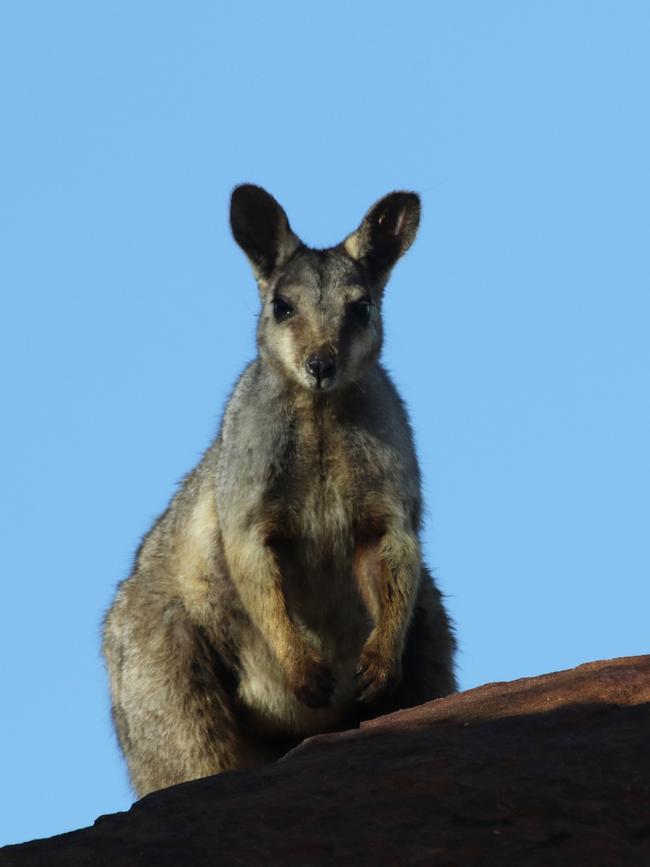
(388, 568)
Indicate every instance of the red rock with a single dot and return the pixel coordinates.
(551, 770)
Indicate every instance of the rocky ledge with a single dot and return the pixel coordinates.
(551, 770)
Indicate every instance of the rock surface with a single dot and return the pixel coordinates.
(551, 770)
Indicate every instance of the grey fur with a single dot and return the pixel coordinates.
(283, 592)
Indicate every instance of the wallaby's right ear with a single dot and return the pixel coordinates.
(261, 228)
(385, 234)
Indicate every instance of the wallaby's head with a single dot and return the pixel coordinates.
(320, 322)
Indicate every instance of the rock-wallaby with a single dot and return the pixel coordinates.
(283, 591)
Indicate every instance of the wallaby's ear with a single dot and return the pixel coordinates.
(386, 232)
(261, 228)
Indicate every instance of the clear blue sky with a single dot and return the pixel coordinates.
(517, 325)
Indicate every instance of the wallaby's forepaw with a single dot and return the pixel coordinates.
(375, 675)
(312, 682)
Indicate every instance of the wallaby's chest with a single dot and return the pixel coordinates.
(307, 471)
(320, 499)
(323, 485)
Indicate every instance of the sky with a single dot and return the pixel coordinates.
(517, 325)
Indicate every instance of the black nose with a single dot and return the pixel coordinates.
(321, 365)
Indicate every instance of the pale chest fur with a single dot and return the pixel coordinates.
(320, 496)
(316, 508)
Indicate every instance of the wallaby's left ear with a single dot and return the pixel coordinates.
(261, 228)
(386, 232)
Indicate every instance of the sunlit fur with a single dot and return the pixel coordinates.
(282, 592)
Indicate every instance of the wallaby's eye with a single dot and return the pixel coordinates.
(361, 311)
(282, 309)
